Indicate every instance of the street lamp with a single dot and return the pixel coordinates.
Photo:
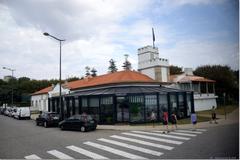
(60, 72)
(12, 70)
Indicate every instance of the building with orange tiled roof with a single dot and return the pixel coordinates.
(204, 89)
(39, 99)
(124, 96)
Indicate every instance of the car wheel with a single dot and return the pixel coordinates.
(83, 129)
(45, 124)
(62, 128)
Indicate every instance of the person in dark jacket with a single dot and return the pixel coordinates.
(174, 120)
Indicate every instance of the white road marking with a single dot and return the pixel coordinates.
(153, 138)
(201, 130)
(188, 131)
(143, 142)
(114, 151)
(161, 135)
(86, 152)
(33, 156)
(140, 149)
(183, 134)
(59, 154)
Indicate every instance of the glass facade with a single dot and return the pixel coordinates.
(181, 106)
(136, 112)
(173, 103)
(107, 110)
(150, 106)
(130, 108)
(163, 105)
(93, 108)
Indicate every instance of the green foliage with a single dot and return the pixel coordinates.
(112, 67)
(72, 79)
(93, 72)
(226, 79)
(175, 70)
(135, 108)
(23, 87)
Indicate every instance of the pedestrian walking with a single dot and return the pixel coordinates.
(213, 115)
(153, 118)
(174, 120)
(165, 121)
(194, 120)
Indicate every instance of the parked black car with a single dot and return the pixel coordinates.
(47, 119)
(81, 122)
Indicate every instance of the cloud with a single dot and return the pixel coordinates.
(95, 32)
(90, 27)
(193, 53)
(169, 6)
(72, 19)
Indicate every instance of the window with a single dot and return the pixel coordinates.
(84, 105)
(151, 105)
(163, 104)
(173, 103)
(106, 104)
(94, 108)
(189, 103)
(136, 108)
(181, 107)
(76, 105)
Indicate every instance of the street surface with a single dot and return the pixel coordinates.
(23, 139)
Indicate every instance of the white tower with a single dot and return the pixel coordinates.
(150, 64)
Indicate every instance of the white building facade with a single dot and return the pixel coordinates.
(151, 65)
(204, 89)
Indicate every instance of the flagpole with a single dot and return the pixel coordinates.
(153, 37)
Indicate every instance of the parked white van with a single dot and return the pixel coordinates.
(22, 112)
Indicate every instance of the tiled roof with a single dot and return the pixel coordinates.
(43, 91)
(188, 78)
(110, 78)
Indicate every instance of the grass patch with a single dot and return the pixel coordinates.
(188, 120)
(220, 110)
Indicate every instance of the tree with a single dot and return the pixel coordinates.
(87, 71)
(175, 70)
(112, 67)
(127, 65)
(94, 72)
(224, 77)
(70, 79)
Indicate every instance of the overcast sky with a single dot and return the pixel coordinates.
(189, 33)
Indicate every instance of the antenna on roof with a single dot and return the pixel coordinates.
(153, 36)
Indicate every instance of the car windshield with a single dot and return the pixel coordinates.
(53, 115)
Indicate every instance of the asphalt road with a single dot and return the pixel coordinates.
(22, 138)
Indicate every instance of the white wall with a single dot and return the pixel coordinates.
(39, 102)
(204, 101)
(149, 72)
(164, 71)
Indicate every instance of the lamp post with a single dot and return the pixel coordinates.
(12, 70)
(60, 71)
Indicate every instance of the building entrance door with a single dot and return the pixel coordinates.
(122, 110)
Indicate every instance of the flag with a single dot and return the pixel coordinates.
(153, 35)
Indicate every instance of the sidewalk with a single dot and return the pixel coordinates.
(231, 119)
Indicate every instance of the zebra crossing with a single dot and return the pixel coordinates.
(126, 145)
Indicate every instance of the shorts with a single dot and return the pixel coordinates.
(195, 122)
(174, 122)
(165, 122)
